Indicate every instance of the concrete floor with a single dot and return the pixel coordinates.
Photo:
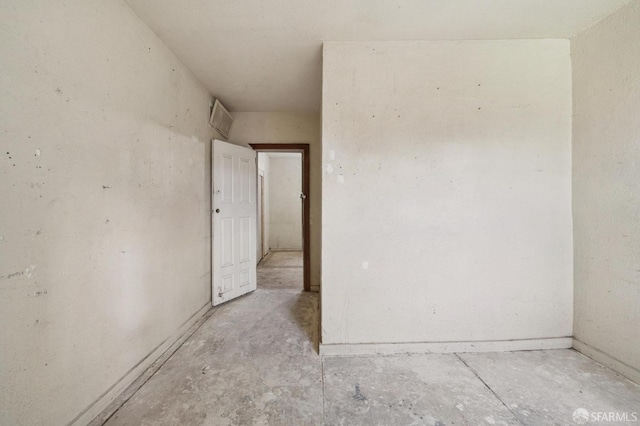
(254, 361)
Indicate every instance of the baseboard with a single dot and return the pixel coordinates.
(95, 408)
(315, 289)
(444, 347)
(600, 357)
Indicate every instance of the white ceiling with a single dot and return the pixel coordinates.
(265, 55)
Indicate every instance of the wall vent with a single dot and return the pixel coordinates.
(221, 120)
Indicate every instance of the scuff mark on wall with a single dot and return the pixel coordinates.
(28, 272)
(8, 277)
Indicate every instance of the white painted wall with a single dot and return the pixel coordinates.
(104, 180)
(285, 187)
(264, 169)
(606, 190)
(447, 175)
(280, 127)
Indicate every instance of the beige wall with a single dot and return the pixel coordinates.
(285, 205)
(276, 127)
(447, 180)
(606, 190)
(104, 226)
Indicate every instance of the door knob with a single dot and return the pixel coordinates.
(217, 210)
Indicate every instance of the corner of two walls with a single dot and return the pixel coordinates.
(606, 190)
(105, 225)
(429, 143)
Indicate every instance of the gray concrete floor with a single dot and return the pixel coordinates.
(254, 361)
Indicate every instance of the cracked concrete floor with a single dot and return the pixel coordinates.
(254, 361)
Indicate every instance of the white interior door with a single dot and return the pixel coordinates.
(234, 221)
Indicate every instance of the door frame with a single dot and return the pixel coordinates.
(306, 214)
(260, 205)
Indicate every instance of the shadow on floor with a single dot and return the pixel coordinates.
(305, 313)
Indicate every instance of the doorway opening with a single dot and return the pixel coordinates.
(283, 203)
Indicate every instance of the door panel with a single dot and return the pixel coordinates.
(246, 188)
(226, 178)
(245, 239)
(233, 221)
(226, 243)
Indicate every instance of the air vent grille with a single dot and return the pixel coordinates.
(221, 120)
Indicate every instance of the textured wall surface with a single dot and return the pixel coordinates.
(606, 190)
(104, 224)
(447, 188)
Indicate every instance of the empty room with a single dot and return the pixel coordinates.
(410, 212)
